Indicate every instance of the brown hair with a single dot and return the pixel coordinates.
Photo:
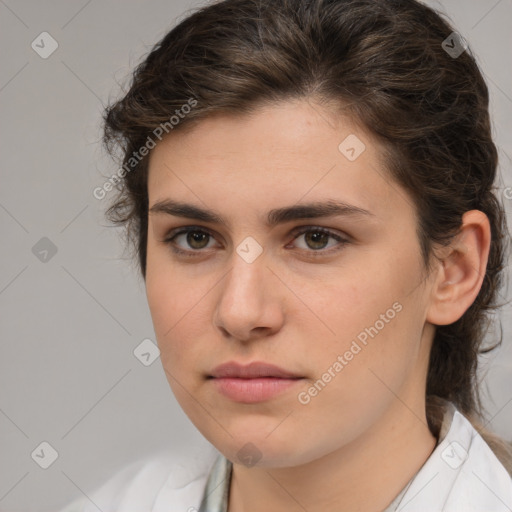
(385, 63)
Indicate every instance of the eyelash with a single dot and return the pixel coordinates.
(296, 234)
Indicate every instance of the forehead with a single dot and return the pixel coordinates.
(280, 154)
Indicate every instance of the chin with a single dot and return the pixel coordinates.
(259, 449)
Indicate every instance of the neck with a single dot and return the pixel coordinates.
(365, 475)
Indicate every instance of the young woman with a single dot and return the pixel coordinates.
(309, 186)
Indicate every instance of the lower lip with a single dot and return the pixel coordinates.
(251, 391)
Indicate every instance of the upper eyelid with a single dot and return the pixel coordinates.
(298, 229)
(185, 229)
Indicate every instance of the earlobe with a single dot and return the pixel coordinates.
(461, 270)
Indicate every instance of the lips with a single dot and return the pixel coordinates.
(253, 383)
(251, 371)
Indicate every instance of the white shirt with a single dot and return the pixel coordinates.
(461, 475)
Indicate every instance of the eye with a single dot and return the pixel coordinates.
(195, 238)
(317, 238)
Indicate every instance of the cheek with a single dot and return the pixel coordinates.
(375, 323)
(169, 299)
(349, 303)
(365, 383)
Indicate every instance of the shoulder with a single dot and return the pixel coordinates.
(462, 474)
(153, 484)
(482, 483)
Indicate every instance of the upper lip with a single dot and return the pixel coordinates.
(251, 371)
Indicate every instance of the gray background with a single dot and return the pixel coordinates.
(69, 325)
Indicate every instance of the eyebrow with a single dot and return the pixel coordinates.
(276, 216)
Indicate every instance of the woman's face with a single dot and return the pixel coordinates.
(339, 302)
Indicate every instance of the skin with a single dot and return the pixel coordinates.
(300, 304)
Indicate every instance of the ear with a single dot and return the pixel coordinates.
(461, 270)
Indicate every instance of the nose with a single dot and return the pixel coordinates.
(249, 306)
